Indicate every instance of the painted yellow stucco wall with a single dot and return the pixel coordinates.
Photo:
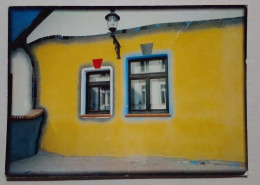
(206, 77)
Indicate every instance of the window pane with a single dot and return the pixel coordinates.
(158, 93)
(101, 77)
(152, 66)
(93, 99)
(138, 95)
(104, 98)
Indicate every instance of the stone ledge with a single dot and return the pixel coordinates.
(34, 113)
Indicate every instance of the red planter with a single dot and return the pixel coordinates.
(97, 63)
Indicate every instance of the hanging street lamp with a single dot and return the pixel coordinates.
(112, 22)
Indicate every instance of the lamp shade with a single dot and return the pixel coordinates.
(112, 21)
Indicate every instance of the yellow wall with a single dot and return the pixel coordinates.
(207, 85)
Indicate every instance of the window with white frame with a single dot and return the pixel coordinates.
(97, 92)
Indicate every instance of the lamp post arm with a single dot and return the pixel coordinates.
(117, 45)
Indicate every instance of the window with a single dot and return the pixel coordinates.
(96, 92)
(148, 86)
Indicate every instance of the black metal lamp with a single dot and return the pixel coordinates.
(112, 21)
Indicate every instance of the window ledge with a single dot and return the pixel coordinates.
(149, 115)
(96, 116)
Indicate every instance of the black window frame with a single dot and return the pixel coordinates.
(98, 85)
(147, 77)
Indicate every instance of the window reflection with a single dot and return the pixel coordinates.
(158, 93)
(163, 94)
(93, 99)
(148, 66)
(103, 77)
(138, 95)
(104, 98)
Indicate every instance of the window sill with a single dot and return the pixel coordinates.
(96, 116)
(149, 115)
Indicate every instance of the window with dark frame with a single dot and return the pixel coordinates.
(148, 85)
(98, 92)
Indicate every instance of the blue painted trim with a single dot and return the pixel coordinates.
(126, 105)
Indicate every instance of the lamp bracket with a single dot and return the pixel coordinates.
(117, 45)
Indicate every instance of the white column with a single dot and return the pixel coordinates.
(21, 70)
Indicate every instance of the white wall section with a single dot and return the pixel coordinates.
(92, 22)
(22, 83)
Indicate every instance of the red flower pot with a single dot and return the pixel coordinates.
(97, 63)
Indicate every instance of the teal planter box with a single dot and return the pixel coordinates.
(23, 137)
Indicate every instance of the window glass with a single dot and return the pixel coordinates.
(138, 95)
(98, 88)
(163, 94)
(104, 98)
(101, 77)
(152, 66)
(93, 99)
(157, 93)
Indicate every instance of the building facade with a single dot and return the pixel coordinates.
(178, 91)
